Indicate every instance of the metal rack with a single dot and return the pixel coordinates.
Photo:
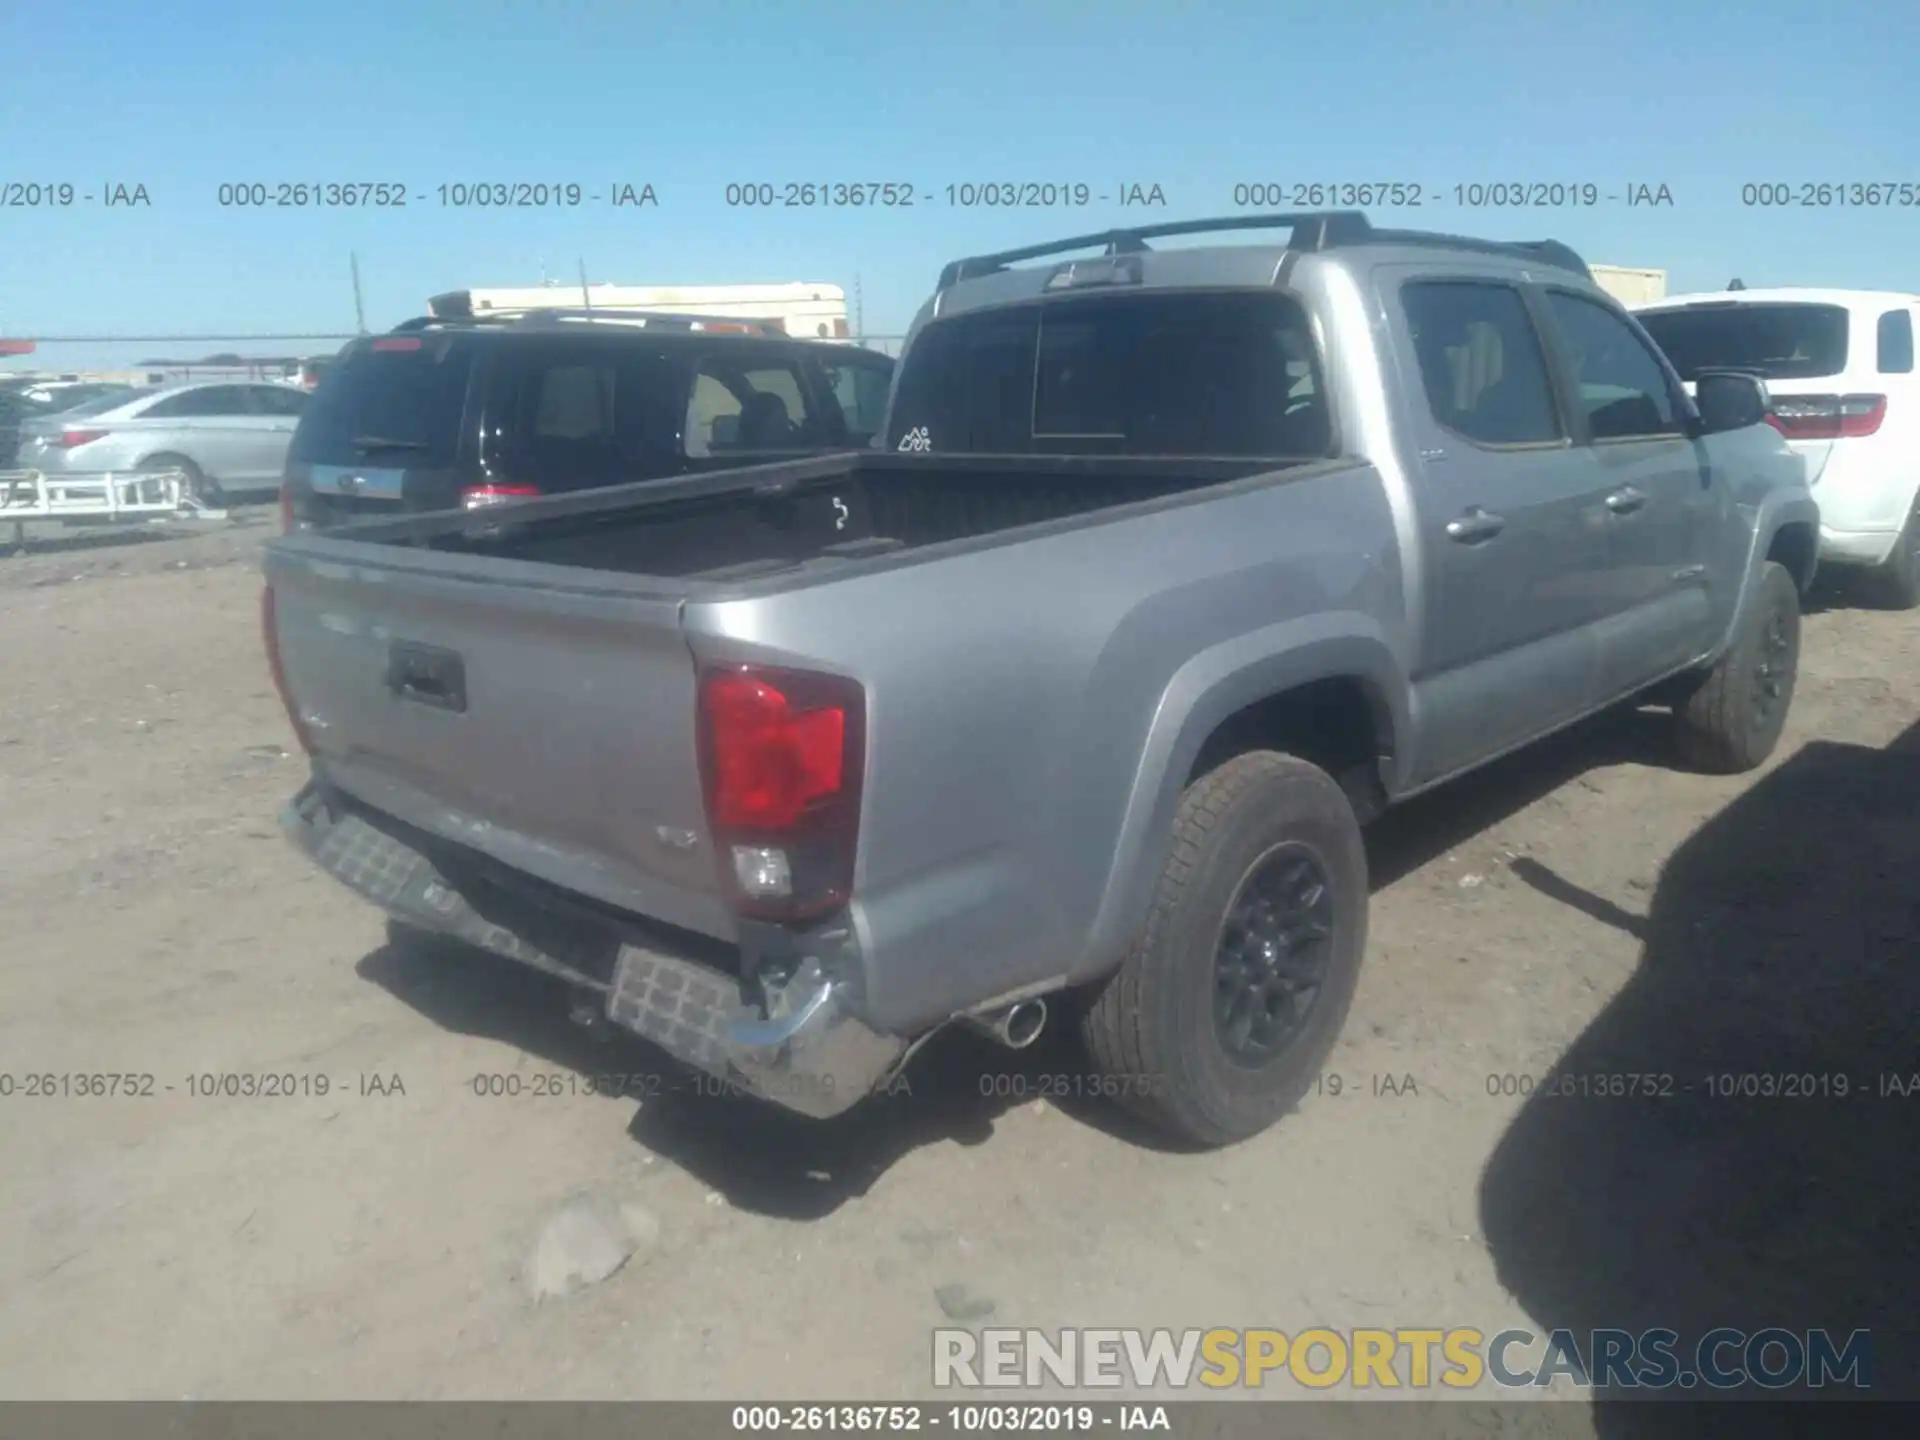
(1312, 231)
(150, 495)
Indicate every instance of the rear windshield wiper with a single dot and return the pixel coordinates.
(364, 443)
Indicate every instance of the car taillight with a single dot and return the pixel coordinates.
(1827, 417)
(69, 439)
(781, 758)
(270, 636)
(839, 329)
(476, 496)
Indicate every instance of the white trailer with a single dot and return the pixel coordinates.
(1630, 286)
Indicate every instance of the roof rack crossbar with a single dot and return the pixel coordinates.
(612, 314)
(1553, 252)
(1312, 230)
(659, 319)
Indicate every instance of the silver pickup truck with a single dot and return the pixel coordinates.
(1173, 567)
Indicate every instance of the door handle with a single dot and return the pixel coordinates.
(1625, 500)
(1474, 526)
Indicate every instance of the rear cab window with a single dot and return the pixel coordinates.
(1170, 373)
(392, 402)
(1776, 340)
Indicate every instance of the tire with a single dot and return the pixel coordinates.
(1732, 722)
(1159, 1030)
(1895, 582)
(200, 485)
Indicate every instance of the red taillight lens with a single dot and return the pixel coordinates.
(405, 342)
(69, 439)
(270, 636)
(1827, 417)
(476, 496)
(781, 755)
(770, 758)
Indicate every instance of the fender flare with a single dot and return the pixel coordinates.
(1202, 693)
(1774, 514)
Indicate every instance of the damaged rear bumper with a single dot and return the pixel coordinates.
(803, 1049)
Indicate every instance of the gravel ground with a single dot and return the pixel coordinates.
(1580, 911)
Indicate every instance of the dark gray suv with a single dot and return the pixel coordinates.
(450, 414)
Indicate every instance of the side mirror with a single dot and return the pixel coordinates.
(1730, 400)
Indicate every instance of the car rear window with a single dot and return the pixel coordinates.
(414, 397)
(99, 404)
(1170, 374)
(1777, 341)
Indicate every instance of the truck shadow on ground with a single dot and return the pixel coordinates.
(759, 1157)
(1780, 944)
(769, 1162)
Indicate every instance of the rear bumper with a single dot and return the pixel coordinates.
(1856, 547)
(810, 1055)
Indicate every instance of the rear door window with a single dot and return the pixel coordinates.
(400, 407)
(741, 405)
(570, 416)
(1170, 374)
(1775, 340)
(204, 403)
(1481, 362)
(279, 401)
(1894, 341)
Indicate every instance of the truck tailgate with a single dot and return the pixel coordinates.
(547, 725)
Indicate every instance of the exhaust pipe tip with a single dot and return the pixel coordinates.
(1016, 1027)
(1022, 1024)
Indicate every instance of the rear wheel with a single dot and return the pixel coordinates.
(1895, 581)
(1732, 722)
(1234, 992)
(197, 484)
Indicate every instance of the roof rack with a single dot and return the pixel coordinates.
(1312, 231)
(643, 319)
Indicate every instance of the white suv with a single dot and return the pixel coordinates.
(1840, 366)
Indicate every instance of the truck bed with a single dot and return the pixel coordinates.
(763, 520)
(521, 682)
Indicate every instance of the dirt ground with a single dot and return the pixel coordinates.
(1583, 909)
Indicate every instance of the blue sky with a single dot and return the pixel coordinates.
(182, 96)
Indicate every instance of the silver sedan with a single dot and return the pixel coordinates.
(227, 437)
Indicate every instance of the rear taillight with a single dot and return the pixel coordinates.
(70, 439)
(839, 329)
(474, 497)
(781, 757)
(1827, 417)
(404, 342)
(270, 636)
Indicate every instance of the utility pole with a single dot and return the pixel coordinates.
(359, 304)
(859, 309)
(586, 296)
